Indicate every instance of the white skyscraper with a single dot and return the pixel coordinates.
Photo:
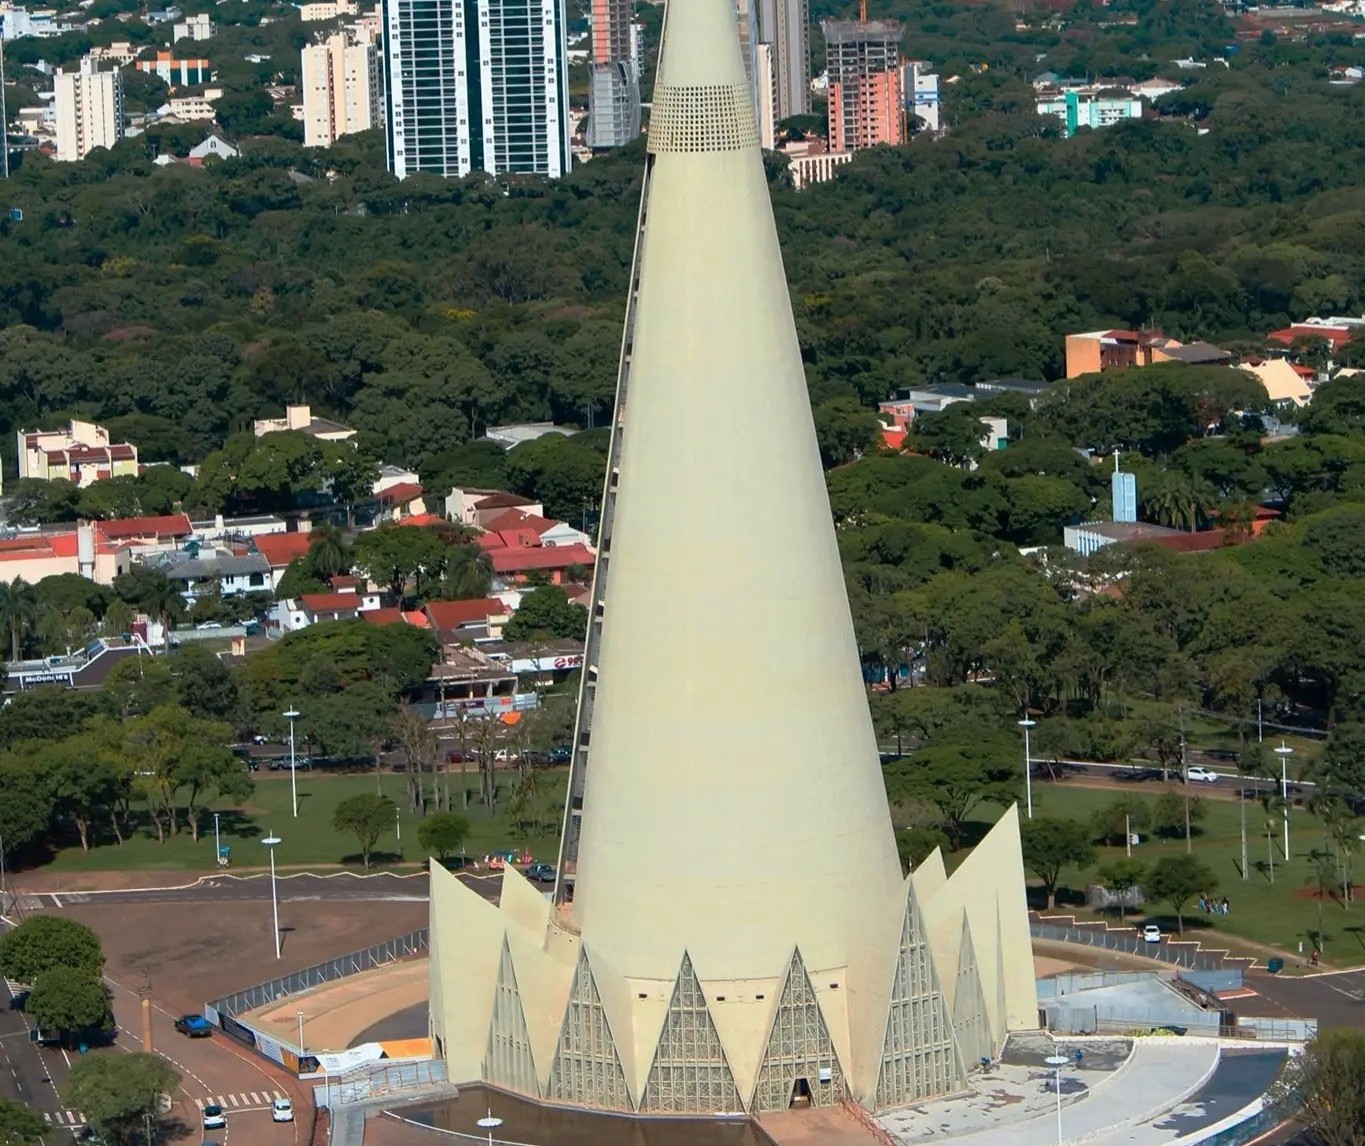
(481, 86)
(89, 109)
(341, 90)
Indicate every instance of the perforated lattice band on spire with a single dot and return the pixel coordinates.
(702, 118)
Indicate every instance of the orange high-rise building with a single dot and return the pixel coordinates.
(866, 91)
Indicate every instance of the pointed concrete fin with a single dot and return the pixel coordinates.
(467, 934)
(799, 1049)
(587, 1069)
(970, 1022)
(543, 981)
(690, 1071)
(508, 1061)
(929, 877)
(920, 1057)
(989, 885)
(524, 904)
(1001, 1026)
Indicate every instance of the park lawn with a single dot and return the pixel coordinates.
(1281, 914)
(310, 840)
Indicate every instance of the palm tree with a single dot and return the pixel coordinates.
(327, 552)
(162, 601)
(18, 611)
(469, 573)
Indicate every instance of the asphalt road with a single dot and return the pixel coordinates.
(24, 1075)
(294, 888)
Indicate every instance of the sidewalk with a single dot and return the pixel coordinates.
(1016, 1106)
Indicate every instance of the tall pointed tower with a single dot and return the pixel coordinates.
(739, 933)
(731, 750)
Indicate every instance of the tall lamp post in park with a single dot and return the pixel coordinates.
(1026, 724)
(291, 716)
(1057, 1061)
(1284, 752)
(270, 842)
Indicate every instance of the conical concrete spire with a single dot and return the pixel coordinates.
(734, 804)
(733, 809)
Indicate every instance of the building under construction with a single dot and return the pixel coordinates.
(866, 92)
(613, 84)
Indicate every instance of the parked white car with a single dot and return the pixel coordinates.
(1197, 775)
(1151, 933)
(282, 1110)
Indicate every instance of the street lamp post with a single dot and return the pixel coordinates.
(270, 842)
(1057, 1061)
(300, 1015)
(1027, 724)
(291, 716)
(489, 1123)
(1284, 752)
(217, 841)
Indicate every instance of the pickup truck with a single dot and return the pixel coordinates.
(195, 1026)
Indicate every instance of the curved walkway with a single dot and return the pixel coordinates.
(1014, 1106)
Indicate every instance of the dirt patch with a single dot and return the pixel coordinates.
(1313, 894)
(194, 952)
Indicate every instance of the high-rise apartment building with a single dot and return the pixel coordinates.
(476, 85)
(764, 81)
(785, 24)
(89, 109)
(341, 90)
(613, 87)
(866, 96)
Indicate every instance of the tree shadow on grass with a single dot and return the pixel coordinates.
(378, 860)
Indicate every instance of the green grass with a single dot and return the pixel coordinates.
(1280, 914)
(310, 839)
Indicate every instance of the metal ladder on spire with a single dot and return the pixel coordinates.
(565, 870)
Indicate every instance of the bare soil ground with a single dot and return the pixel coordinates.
(194, 952)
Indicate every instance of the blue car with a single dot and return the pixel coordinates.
(541, 873)
(195, 1026)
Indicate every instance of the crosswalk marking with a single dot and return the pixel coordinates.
(65, 1118)
(244, 1100)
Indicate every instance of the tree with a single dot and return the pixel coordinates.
(1178, 879)
(547, 614)
(367, 817)
(1122, 816)
(1050, 845)
(954, 778)
(1169, 814)
(44, 942)
(396, 554)
(116, 1092)
(443, 834)
(1121, 877)
(19, 1125)
(150, 590)
(1323, 1083)
(327, 553)
(955, 435)
(18, 611)
(69, 1000)
(87, 778)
